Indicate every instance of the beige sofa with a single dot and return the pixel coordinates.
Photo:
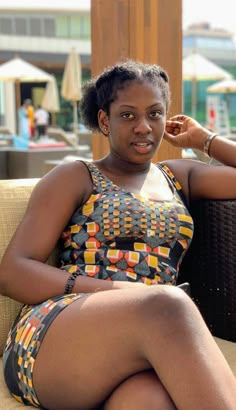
(14, 195)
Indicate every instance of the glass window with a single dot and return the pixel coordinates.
(49, 27)
(211, 42)
(75, 22)
(62, 26)
(80, 27)
(20, 26)
(35, 26)
(85, 27)
(208, 42)
(5, 25)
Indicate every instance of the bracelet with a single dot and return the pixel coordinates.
(207, 143)
(70, 283)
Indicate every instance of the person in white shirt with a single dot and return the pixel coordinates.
(41, 121)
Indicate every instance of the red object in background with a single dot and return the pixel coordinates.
(33, 145)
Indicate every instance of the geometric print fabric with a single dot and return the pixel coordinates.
(118, 235)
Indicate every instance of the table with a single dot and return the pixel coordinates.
(29, 163)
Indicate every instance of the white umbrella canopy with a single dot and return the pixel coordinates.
(223, 87)
(18, 71)
(50, 101)
(195, 66)
(226, 87)
(198, 68)
(71, 82)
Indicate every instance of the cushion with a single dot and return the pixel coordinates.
(229, 351)
(14, 196)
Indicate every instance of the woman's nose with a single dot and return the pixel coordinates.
(142, 126)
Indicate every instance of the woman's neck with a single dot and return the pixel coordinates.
(114, 164)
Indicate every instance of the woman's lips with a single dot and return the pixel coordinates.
(142, 147)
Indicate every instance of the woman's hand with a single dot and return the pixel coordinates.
(185, 132)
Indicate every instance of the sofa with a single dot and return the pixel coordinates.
(14, 195)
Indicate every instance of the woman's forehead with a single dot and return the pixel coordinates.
(141, 90)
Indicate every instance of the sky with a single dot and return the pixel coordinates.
(53, 4)
(220, 14)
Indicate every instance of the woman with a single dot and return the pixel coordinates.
(92, 333)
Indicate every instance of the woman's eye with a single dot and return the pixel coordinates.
(155, 114)
(127, 115)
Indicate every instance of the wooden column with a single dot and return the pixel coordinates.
(146, 30)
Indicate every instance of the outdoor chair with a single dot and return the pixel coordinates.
(209, 266)
(60, 135)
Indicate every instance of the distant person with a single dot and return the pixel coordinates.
(24, 129)
(41, 117)
(30, 112)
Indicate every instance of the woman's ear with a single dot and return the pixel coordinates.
(103, 122)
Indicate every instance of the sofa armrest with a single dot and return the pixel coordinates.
(14, 196)
(210, 265)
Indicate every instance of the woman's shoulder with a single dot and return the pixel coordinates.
(68, 170)
(71, 180)
(180, 169)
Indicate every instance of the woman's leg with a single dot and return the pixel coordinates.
(99, 341)
(140, 392)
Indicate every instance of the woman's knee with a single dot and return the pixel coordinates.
(165, 303)
(140, 392)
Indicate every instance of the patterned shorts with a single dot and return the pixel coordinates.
(23, 343)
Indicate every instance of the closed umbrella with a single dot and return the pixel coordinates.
(71, 83)
(50, 101)
(18, 71)
(198, 68)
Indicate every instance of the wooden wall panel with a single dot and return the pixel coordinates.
(145, 30)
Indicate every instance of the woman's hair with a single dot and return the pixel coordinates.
(100, 92)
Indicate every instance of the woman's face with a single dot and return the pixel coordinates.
(136, 122)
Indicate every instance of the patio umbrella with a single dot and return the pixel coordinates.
(18, 71)
(50, 101)
(226, 87)
(71, 83)
(198, 68)
(223, 87)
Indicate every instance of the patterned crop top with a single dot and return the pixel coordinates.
(118, 235)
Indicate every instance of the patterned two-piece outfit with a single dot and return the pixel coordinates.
(115, 235)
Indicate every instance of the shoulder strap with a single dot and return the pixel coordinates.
(100, 181)
(173, 181)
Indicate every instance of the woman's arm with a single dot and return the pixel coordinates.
(185, 132)
(199, 179)
(24, 274)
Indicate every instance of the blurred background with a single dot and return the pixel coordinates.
(44, 33)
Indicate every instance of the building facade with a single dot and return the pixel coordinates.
(43, 35)
(217, 45)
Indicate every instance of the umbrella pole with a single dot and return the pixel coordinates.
(194, 98)
(53, 117)
(75, 117)
(18, 103)
(18, 95)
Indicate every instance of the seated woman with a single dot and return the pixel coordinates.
(109, 328)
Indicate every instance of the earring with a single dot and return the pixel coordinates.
(105, 130)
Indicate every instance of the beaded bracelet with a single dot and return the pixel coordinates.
(70, 283)
(207, 143)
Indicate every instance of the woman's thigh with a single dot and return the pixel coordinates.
(101, 340)
(140, 392)
(89, 349)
